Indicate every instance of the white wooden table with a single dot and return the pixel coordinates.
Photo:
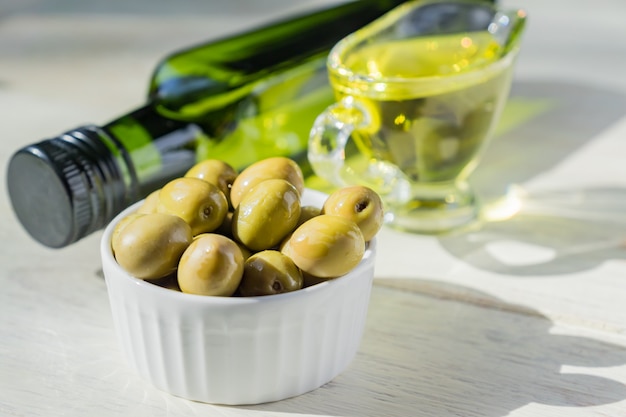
(523, 317)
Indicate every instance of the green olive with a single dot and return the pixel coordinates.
(150, 203)
(269, 272)
(360, 204)
(309, 280)
(150, 245)
(307, 213)
(266, 214)
(201, 204)
(326, 246)
(271, 168)
(244, 250)
(216, 172)
(211, 265)
(226, 228)
(117, 230)
(170, 282)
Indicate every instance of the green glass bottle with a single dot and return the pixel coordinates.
(239, 99)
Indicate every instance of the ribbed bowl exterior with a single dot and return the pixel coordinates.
(236, 350)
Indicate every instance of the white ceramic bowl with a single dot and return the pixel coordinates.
(236, 350)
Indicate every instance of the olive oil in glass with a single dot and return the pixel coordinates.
(432, 131)
(419, 93)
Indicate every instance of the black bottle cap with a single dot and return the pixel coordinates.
(63, 189)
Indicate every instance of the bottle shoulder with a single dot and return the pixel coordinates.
(262, 50)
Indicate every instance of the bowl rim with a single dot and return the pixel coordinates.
(107, 257)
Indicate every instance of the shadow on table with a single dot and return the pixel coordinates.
(556, 232)
(560, 231)
(478, 357)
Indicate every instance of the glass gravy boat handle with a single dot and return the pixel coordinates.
(331, 161)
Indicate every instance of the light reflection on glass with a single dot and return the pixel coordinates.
(507, 206)
(372, 69)
(400, 119)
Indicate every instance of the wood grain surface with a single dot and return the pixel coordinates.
(518, 316)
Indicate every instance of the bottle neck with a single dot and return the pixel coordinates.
(65, 188)
(149, 149)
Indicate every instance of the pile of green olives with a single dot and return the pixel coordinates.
(218, 232)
